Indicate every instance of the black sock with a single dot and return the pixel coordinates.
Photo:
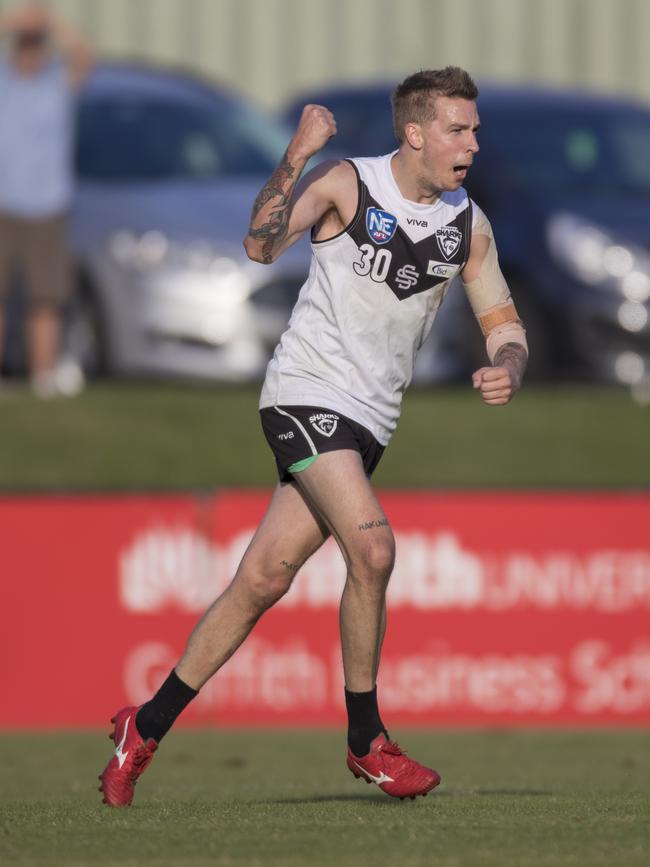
(156, 717)
(364, 722)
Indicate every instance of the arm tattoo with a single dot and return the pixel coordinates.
(277, 191)
(290, 566)
(369, 525)
(514, 357)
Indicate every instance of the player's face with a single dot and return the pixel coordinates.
(449, 143)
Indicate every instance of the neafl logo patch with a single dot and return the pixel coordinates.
(324, 422)
(380, 225)
(448, 238)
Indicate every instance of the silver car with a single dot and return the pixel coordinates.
(168, 168)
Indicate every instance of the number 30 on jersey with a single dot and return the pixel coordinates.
(373, 262)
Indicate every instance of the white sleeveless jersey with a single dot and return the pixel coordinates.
(369, 302)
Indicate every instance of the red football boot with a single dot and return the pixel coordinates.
(388, 766)
(132, 757)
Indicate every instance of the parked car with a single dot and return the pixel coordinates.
(168, 168)
(565, 180)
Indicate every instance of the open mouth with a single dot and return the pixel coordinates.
(460, 171)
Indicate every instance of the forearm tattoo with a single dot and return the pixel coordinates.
(369, 525)
(277, 191)
(514, 357)
(292, 567)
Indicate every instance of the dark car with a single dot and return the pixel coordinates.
(564, 178)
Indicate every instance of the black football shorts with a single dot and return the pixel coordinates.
(298, 434)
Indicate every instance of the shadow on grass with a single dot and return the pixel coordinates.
(342, 799)
(535, 792)
(384, 799)
(463, 793)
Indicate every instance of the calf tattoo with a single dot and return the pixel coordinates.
(514, 357)
(277, 191)
(369, 525)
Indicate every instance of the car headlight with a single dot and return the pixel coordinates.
(194, 268)
(592, 255)
(140, 252)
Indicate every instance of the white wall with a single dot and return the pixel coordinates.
(272, 49)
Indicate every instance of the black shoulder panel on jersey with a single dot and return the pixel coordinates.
(361, 188)
(412, 267)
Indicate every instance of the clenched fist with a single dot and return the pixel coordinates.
(316, 128)
(496, 384)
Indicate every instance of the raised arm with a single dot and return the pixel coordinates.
(495, 311)
(11, 21)
(75, 48)
(283, 210)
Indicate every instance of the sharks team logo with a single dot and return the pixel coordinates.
(381, 225)
(324, 422)
(448, 238)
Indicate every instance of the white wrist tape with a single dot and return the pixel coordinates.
(500, 325)
(490, 299)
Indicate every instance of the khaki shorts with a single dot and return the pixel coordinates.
(37, 251)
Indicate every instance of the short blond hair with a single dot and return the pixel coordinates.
(414, 100)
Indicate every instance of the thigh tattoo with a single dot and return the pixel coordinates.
(370, 525)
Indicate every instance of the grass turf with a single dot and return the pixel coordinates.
(508, 799)
(133, 435)
(230, 799)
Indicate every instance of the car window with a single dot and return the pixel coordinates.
(365, 129)
(123, 138)
(631, 142)
(591, 153)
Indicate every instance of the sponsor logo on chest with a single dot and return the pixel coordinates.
(441, 269)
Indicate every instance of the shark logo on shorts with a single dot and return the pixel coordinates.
(448, 238)
(324, 422)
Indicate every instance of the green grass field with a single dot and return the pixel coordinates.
(508, 799)
(131, 435)
(285, 799)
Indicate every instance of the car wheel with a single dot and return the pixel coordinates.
(85, 338)
(541, 364)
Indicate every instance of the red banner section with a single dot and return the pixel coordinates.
(504, 609)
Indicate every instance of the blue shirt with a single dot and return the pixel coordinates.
(36, 138)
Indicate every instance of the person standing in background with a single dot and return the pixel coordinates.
(40, 72)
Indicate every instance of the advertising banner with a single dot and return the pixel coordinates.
(504, 609)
